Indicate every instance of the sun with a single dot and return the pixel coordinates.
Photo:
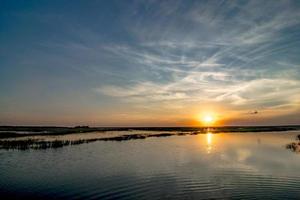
(208, 119)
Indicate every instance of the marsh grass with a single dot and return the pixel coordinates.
(41, 144)
(294, 146)
(7, 140)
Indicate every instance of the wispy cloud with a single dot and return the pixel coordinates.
(242, 55)
(229, 52)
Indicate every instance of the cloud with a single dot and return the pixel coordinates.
(239, 54)
(229, 52)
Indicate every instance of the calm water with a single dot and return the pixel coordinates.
(205, 166)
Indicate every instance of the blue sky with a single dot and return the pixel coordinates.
(149, 63)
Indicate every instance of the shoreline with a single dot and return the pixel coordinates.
(21, 131)
(58, 139)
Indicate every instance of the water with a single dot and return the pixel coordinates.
(204, 166)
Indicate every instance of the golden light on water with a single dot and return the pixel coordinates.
(209, 141)
(209, 138)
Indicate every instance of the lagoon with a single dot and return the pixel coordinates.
(203, 166)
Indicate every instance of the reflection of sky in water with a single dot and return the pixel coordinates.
(238, 165)
(85, 136)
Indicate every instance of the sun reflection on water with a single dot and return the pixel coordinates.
(209, 138)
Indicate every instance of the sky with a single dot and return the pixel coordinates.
(149, 62)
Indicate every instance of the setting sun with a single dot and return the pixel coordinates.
(208, 119)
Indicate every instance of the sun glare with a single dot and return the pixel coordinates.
(208, 119)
